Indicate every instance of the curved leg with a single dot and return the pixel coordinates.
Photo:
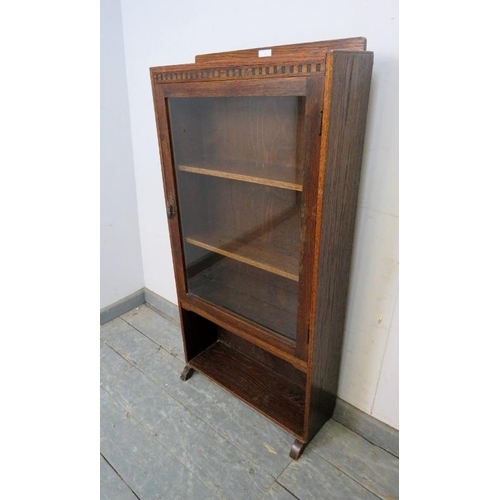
(186, 373)
(297, 449)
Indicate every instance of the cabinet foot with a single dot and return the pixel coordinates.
(297, 449)
(186, 373)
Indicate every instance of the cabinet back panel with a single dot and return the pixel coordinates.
(263, 388)
(265, 358)
(259, 129)
(234, 286)
(259, 135)
(223, 212)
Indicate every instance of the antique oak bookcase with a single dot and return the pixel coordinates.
(261, 154)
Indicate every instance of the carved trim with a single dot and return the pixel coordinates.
(225, 73)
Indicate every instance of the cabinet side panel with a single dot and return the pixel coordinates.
(350, 88)
(199, 333)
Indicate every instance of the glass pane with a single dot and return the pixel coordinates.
(239, 171)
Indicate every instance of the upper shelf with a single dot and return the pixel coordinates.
(264, 174)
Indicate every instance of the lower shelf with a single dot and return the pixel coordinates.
(255, 384)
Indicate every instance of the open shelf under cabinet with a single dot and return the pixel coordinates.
(259, 386)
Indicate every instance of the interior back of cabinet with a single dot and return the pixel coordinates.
(235, 136)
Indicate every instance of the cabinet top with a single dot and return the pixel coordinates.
(301, 59)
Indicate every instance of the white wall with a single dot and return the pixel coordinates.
(121, 260)
(160, 33)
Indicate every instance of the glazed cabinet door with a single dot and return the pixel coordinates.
(243, 168)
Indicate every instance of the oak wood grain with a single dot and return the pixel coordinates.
(305, 50)
(308, 240)
(252, 332)
(350, 89)
(278, 365)
(170, 194)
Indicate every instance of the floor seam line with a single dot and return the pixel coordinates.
(131, 363)
(141, 332)
(120, 476)
(147, 336)
(365, 438)
(181, 403)
(153, 427)
(125, 359)
(208, 424)
(162, 314)
(348, 475)
(285, 488)
(152, 434)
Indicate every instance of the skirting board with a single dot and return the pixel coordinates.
(365, 425)
(358, 421)
(122, 306)
(162, 305)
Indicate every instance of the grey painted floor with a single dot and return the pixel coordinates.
(162, 438)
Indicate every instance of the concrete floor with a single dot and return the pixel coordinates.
(162, 438)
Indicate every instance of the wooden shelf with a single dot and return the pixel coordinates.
(271, 303)
(258, 251)
(257, 385)
(257, 173)
(253, 255)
